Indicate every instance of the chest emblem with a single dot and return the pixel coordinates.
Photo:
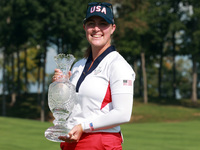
(97, 71)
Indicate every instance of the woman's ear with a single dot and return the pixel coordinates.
(113, 28)
(84, 26)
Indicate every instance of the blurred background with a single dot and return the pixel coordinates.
(159, 39)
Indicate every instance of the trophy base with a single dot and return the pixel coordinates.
(52, 133)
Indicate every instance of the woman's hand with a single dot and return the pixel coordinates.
(58, 74)
(74, 135)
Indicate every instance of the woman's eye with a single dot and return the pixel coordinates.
(103, 23)
(90, 23)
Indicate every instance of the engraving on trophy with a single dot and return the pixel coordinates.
(61, 99)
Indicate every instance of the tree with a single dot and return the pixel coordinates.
(158, 22)
(5, 14)
(26, 24)
(61, 26)
(192, 41)
(130, 37)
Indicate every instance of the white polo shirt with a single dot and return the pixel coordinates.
(105, 92)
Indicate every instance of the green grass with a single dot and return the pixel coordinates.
(154, 127)
(162, 136)
(163, 113)
(22, 134)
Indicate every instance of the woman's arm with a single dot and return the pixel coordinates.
(121, 113)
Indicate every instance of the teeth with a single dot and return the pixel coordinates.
(96, 35)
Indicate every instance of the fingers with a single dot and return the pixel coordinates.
(69, 74)
(74, 135)
(67, 139)
(58, 74)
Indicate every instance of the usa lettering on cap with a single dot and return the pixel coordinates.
(98, 9)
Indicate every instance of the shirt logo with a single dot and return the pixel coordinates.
(98, 9)
(127, 82)
(91, 126)
(97, 71)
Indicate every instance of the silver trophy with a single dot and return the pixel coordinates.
(61, 99)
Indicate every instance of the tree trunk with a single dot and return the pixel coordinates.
(140, 79)
(13, 88)
(43, 86)
(18, 74)
(194, 81)
(26, 70)
(4, 86)
(174, 65)
(38, 79)
(135, 68)
(160, 74)
(58, 46)
(144, 78)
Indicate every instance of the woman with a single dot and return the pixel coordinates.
(104, 85)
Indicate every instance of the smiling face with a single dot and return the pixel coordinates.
(98, 32)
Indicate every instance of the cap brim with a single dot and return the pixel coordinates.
(100, 15)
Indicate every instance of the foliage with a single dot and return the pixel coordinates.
(164, 30)
(31, 69)
(130, 19)
(27, 107)
(150, 26)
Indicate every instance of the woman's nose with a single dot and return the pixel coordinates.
(96, 28)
